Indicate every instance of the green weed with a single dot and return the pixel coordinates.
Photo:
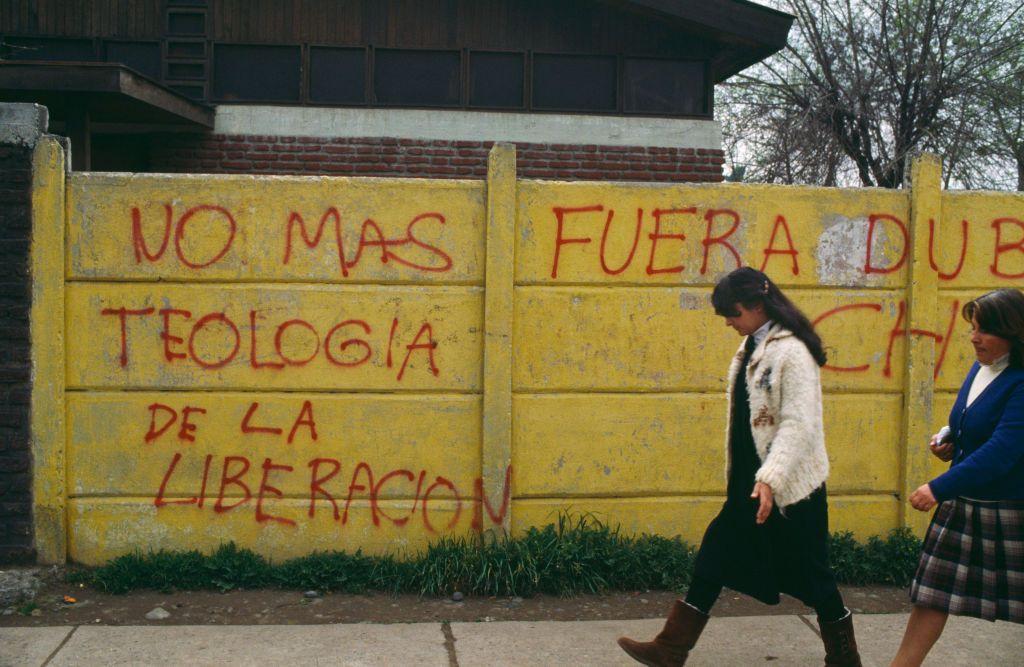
(577, 554)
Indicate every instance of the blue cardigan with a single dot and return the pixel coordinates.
(988, 437)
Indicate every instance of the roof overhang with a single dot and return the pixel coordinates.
(746, 32)
(108, 92)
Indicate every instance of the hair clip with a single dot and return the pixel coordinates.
(766, 286)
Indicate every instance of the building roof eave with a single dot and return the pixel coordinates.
(749, 32)
(108, 91)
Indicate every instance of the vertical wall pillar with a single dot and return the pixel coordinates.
(922, 307)
(47, 326)
(496, 460)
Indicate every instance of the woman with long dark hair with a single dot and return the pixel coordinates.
(771, 535)
(972, 563)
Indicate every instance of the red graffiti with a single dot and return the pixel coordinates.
(656, 236)
(632, 250)
(205, 321)
(343, 346)
(771, 250)
(234, 479)
(123, 314)
(712, 237)
(931, 251)
(896, 333)
(235, 492)
(180, 232)
(1003, 247)
(370, 236)
(262, 516)
(247, 427)
(560, 239)
(841, 309)
(721, 239)
(873, 221)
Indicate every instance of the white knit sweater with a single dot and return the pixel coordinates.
(784, 384)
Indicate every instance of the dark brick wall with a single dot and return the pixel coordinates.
(15, 302)
(376, 156)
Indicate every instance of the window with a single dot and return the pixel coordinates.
(186, 49)
(496, 80)
(186, 23)
(664, 86)
(256, 73)
(194, 71)
(417, 78)
(337, 76)
(574, 83)
(70, 50)
(143, 57)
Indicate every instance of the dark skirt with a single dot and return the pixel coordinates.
(972, 563)
(787, 554)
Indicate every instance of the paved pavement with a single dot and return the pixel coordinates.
(750, 640)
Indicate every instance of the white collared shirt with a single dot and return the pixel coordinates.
(762, 333)
(986, 374)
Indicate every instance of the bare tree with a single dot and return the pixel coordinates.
(864, 83)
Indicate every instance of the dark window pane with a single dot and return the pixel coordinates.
(574, 83)
(143, 57)
(417, 78)
(195, 92)
(664, 86)
(186, 49)
(26, 48)
(186, 71)
(186, 23)
(256, 73)
(496, 80)
(337, 75)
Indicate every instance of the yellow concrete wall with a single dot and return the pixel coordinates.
(300, 364)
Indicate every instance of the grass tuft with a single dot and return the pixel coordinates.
(575, 555)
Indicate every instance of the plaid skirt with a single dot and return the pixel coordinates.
(972, 563)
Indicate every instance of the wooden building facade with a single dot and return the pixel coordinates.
(623, 61)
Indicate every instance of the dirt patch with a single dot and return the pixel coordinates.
(287, 607)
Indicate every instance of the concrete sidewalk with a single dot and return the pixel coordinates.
(751, 640)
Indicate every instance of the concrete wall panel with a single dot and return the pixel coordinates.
(669, 339)
(610, 233)
(274, 228)
(549, 346)
(102, 528)
(305, 337)
(187, 445)
(581, 445)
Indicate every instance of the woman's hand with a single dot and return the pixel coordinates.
(942, 450)
(923, 499)
(763, 493)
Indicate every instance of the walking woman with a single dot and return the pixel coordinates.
(771, 535)
(972, 563)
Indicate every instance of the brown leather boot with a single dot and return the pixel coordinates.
(840, 644)
(672, 645)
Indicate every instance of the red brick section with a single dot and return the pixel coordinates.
(15, 302)
(376, 156)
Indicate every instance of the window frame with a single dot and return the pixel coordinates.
(372, 83)
(617, 58)
(211, 80)
(307, 69)
(524, 106)
(707, 96)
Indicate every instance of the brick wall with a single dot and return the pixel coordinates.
(375, 156)
(15, 302)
